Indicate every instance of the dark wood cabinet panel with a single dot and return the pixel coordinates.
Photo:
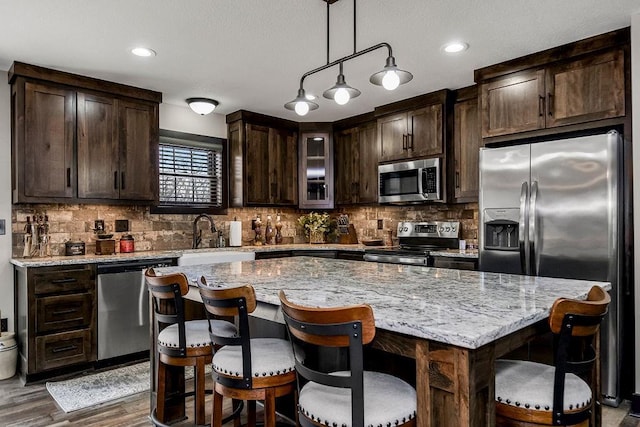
(64, 349)
(98, 157)
(577, 86)
(81, 143)
(56, 317)
(117, 149)
(513, 104)
(47, 169)
(586, 90)
(263, 166)
(356, 164)
(367, 158)
(466, 145)
(412, 134)
(425, 131)
(138, 126)
(393, 137)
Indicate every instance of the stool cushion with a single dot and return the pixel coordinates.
(529, 385)
(269, 357)
(388, 401)
(196, 331)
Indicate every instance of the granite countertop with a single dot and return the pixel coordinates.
(118, 257)
(463, 308)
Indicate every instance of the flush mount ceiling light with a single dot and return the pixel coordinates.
(455, 47)
(390, 77)
(202, 106)
(143, 51)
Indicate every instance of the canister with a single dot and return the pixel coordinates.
(127, 244)
(8, 355)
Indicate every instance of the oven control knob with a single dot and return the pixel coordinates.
(453, 229)
(448, 229)
(441, 229)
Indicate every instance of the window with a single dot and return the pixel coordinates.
(192, 173)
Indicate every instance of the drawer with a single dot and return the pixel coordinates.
(67, 348)
(56, 313)
(56, 280)
(455, 263)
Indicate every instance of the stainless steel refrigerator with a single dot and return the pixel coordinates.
(553, 209)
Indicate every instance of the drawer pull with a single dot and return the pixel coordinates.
(67, 280)
(61, 312)
(66, 348)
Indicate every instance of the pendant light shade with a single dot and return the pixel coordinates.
(301, 105)
(341, 92)
(202, 106)
(390, 77)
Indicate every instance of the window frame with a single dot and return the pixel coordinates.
(196, 141)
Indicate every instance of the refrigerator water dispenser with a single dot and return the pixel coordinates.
(501, 229)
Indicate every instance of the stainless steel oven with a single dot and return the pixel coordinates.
(410, 182)
(416, 241)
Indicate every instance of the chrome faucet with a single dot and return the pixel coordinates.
(197, 234)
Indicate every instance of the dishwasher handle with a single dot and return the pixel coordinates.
(126, 267)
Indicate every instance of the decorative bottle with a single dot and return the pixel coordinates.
(278, 230)
(268, 232)
(258, 231)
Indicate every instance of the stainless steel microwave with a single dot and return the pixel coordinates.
(410, 182)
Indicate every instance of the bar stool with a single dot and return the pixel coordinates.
(180, 343)
(536, 394)
(246, 368)
(345, 398)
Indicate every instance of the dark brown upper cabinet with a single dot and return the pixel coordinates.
(574, 84)
(466, 145)
(412, 128)
(356, 164)
(78, 139)
(263, 166)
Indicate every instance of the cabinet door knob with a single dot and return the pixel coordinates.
(115, 180)
(410, 138)
(68, 177)
(122, 181)
(550, 104)
(404, 141)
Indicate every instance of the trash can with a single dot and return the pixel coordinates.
(8, 355)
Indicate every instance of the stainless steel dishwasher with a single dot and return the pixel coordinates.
(123, 307)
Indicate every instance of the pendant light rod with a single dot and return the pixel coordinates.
(346, 58)
(328, 4)
(354, 26)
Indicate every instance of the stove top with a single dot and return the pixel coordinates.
(416, 241)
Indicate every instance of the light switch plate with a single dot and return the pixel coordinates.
(2, 225)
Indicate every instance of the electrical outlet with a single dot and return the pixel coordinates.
(4, 325)
(380, 224)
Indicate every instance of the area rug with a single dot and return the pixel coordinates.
(89, 390)
(94, 389)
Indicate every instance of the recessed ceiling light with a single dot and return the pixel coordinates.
(143, 51)
(455, 47)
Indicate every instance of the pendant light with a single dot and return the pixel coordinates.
(301, 105)
(341, 92)
(390, 77)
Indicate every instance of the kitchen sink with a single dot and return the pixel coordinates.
(213, 257)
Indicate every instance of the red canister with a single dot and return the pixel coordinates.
(126, 244)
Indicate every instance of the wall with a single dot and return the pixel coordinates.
(635, 105)
(6, 271)
(179, 118)
(170, 232)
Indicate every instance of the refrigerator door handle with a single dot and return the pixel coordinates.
(533, 235)
(522, 227)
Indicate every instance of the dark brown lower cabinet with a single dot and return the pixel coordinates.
(56, 318)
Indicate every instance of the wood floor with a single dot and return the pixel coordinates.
(32, 406)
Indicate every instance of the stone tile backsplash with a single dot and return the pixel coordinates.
(171, 232)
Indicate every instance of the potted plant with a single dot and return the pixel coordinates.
(315, 226)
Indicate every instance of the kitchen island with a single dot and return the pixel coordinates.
(453, 323)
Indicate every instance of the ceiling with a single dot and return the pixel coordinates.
(250, 54)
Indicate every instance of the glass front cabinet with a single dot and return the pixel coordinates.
(316, 171)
